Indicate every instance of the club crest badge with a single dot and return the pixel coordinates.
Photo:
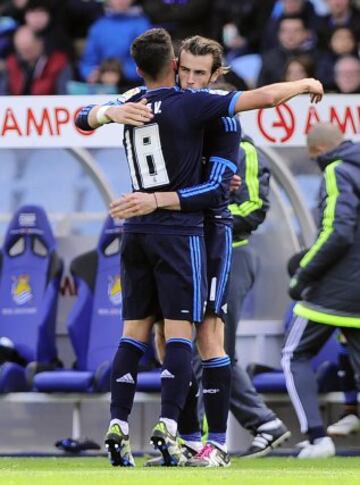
(21, 289)
(114, 289)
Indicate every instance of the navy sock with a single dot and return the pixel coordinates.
(124, 376)
(175, 377)
(188, 420)
(216, 390)
(315, 433)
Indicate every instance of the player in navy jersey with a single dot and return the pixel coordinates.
(162, 255)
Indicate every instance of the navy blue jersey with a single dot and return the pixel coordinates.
(221, 152)
(165, 154)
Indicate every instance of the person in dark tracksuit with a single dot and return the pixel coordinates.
(326, 283)
(248, 205)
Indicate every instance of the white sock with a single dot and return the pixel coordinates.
(171, 425)
(219, 445)
(124, 425)
(273, 424)
(196, 445)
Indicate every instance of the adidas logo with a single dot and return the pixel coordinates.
(127, 378)
(166, 375)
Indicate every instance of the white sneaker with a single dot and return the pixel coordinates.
(346, 425)
(321, 448)
(302, 444)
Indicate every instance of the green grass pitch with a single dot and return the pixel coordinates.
(97, 471)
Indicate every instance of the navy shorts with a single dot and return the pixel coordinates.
(218, 241)
(163, 275)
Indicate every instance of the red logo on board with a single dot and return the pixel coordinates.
(276, 124)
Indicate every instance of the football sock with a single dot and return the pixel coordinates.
(124, 376)
(189, 426)
(315, 433)
(216, 390)
(124, 425)
(175, 377)
(171, 425)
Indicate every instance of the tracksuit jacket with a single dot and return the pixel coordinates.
(331, 267)
(249, 204)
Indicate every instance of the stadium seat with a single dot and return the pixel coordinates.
(30, 272)
(95, 323)
(325, 365)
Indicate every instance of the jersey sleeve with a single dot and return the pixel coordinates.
(204, 106)
(221, 149)
(339, 212)
(81, 120)
(214, 191)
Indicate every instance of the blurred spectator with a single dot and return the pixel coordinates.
(30, 70)
(293, 39)
(111, 37)
(11, 16)
(284, 8)
(14, 9)
(342, 14)
(182, 18)
(111, 74)
(39, 17)
(7, 27)
(298, 68)
(347, 75)
(342, 43)
(236, 24)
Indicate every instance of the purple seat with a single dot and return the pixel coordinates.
(95, 322)
(30, 273)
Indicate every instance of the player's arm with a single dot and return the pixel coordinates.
(214, 191)
(250, 203)
(93, 116)
(275, 94)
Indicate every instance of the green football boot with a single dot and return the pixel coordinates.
(168, 445)
(117, 445)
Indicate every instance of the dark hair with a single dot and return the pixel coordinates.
(305, 61)
(202, 46)
(39, 5)
(300, 17)
(110, 64)
(152, 52)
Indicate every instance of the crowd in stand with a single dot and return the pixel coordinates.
(82, 46)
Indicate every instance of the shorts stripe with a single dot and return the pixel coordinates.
(225, 270)
(196, 275)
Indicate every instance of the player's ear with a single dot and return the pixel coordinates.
(139, 72)
(215, 75)
(174, 63)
